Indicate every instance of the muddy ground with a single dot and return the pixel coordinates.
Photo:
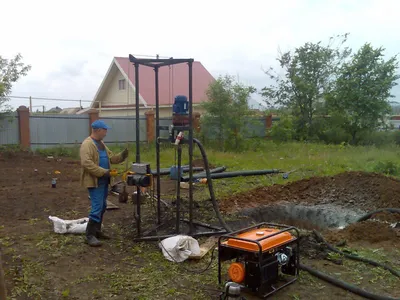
(40, 264)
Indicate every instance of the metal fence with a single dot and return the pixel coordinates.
(9, 130)
(123, 130)
(47, 131)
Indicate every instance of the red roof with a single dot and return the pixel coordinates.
(173, 80)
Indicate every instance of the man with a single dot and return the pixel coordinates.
(96, 160)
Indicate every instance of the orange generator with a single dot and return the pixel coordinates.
(264, 258)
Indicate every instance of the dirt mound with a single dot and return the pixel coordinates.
(388, 217)
(367, 191)
(371, 231)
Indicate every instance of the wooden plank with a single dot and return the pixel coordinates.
(205, 248)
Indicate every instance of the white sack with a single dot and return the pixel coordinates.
(69, 226)
(178, 248)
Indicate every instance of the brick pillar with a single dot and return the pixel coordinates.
(269, 121)
(24, 129)
(196, 121)
(93, 116)
(268, 124)
(151, 133)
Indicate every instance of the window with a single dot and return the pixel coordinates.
(121, 84)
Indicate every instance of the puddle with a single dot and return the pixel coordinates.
(303, 216)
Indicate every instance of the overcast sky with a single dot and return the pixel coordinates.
(70, 44)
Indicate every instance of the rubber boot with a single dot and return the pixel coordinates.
(91, 231)
(100, 234)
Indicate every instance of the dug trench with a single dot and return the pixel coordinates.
(323, 203)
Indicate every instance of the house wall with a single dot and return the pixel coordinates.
(115, 96)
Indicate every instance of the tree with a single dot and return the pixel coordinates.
(11, 70)
(309, 73)
(227, 110)
(362, 92)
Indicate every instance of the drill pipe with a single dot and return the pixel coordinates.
(234, 174)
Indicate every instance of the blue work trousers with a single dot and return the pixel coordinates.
(98, 200)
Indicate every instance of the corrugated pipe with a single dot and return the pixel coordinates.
(320, 239)
(204, 174)
(210, 186)
(370, 214)
(244, 173)
(166, 171)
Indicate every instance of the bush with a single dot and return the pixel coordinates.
(379, 138)
(387, 167)
(283, 130)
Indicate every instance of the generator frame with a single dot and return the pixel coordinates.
(156, 64)
(258, 255)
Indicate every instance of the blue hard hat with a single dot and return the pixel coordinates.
(100, 124)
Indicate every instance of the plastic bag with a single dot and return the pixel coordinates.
(178, 248)
(69, 226)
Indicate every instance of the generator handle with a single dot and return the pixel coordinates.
(283, 228)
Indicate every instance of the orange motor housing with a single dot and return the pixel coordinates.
(264, 236)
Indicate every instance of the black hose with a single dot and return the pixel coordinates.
(344, 285)
(240, 173)
(204, 174)
(370, 214)
(210, 185)
(185, 169)
(354, 257)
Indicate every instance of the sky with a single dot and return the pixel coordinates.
(70, 44)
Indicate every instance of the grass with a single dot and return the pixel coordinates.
(307, 159)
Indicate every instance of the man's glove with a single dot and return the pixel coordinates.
(124, 154)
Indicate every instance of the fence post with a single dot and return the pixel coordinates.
(150, 131)
(196, 121)
(268, 124)
(24, 128)
(93, 116)
(269, 121)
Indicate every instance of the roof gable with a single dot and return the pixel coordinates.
(111, 72)
(173, 80)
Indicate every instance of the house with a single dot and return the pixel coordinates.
(116, 94)
(54, 110)
(70, 110)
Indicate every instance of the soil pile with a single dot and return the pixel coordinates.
(366, 191)
(370, 231)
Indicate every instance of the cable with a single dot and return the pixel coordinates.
(343, 285)
(210, 185)
(57, 99)
(151, 56)
(358, 258)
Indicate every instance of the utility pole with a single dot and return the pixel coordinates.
(30, 104)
